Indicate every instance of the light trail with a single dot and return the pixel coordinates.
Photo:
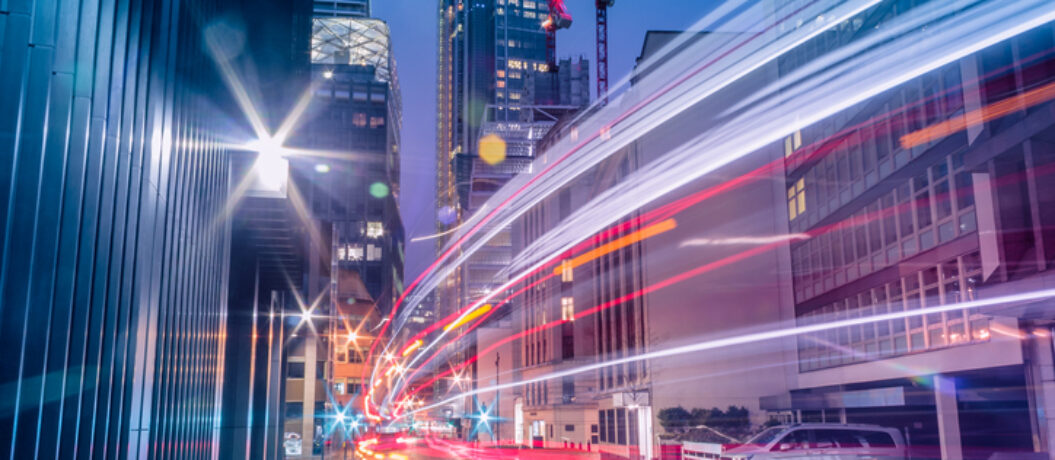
(835, 227)
(758, 337)
(468, 316)
(740, 240)
(413, 346)
(668, 107)
(686, 164)
(748, 240)
(856, 80)
(990, 112)
(611, 246)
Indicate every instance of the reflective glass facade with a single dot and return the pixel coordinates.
(114, 248)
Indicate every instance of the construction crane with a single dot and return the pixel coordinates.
(602, 49)
(558, 19)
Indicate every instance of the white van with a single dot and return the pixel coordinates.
(825, 441)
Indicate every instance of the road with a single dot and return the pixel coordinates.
(428, 449)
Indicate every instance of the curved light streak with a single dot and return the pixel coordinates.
(846, 85)
(758, 337)
(660, 103)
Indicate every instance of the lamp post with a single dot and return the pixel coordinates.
(498, 414)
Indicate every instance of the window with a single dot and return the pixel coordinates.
(792, 143)
(796, 440)
(569, 427)
(338, 388)
(350, 252)
(877, 439)
(846, 439)
(566, 272)
(294, 410)
(375, 229)
(567, 308)
(373, 253)
(359, 119)
(377, 96)
(797, 199)
(568, 390)
(295, 370)
(376, 122)
(354, 357)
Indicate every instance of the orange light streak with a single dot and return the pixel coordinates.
(413, 346)
(617, 244)
(990, 112)
(468, 317)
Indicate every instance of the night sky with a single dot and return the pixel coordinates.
(413, 25)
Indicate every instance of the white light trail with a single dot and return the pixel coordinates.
(744, 240)
(757, 337)
(737, 58)
(854, 80)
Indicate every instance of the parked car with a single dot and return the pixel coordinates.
(826, 441)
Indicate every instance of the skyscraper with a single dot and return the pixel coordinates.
(348, 184)
(115, 176)
(497, 98)
(341, 8)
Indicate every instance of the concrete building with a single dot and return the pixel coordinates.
(347, 184)
(951, 219)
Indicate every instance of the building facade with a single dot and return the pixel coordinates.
(920, 224)
(117, 175)
(345, 177)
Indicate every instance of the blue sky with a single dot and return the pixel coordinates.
(413, 26)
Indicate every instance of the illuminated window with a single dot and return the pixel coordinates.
(792, 143)
(350, 252)
(373, 253)
(359, 119)
(567, 308)
(512, 43)
(377, 121)
(513, 95)
(500, 11)
(338, 387)
(375, 229)
(530, 15)
(529, 4)
(566, 273)
(797, 199)
(341, 354)
(501, 83)
(500, 73)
